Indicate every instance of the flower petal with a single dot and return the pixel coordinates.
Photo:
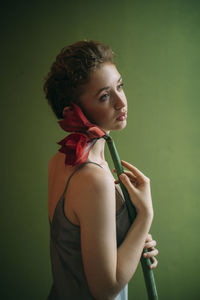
(94, 132)
(77, 145)
(83, 156)
(75, 121)
(73, 146)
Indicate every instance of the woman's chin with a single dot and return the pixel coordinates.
(116, 127)
(120, 125)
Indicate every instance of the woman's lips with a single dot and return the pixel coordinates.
(122, 117)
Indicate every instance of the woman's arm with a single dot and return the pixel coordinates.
(130, 251)
(107, 268)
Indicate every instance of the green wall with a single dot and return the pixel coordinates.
(157, 45)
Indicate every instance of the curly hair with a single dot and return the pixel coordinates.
(71, 71)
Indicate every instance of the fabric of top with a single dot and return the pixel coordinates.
(69, 280)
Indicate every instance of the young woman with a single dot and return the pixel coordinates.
(95, 250)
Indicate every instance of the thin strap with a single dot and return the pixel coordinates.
(79, 167)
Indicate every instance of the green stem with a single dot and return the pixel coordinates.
(145, 262)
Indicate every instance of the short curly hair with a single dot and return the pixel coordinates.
(71, 70)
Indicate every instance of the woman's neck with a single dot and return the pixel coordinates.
(97, 151)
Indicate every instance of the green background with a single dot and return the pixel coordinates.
(157, 46)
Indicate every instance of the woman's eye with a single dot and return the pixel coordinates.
(120, 86)
(104, 97)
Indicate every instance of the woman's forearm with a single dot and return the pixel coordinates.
(130, 251)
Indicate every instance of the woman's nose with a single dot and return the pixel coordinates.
(120, 102)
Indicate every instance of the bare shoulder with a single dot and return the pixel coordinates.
(57, 157)
(92, 176)
(91, 187)
(56, 166)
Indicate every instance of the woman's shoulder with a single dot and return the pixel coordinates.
(90, 171)
(58, 157)
(91, 188)
(57, 162)
(91, 176)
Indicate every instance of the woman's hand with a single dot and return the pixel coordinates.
(138, 187)
(152, 251)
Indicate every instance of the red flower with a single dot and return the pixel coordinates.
(77, 145)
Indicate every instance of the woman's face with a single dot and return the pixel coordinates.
(103, 100)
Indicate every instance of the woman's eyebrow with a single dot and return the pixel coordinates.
(106, 87)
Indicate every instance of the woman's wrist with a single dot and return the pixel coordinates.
(146, 215)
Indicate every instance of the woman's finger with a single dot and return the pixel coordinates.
(151, 253)
(135, 171)
(154, 263)
(136, 178)
(150, 244)
(148, 238)
(128, 173)
(130, 184)
(133, 181)
(131, 176)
